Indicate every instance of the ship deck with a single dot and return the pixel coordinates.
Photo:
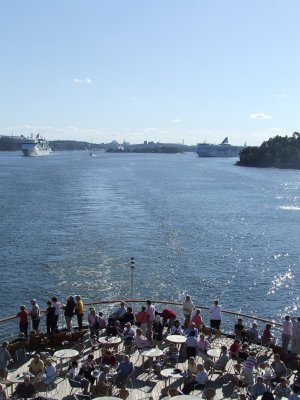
(146, 384)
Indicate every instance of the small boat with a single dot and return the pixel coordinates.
(35, 146)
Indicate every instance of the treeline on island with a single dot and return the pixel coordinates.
(277, 152)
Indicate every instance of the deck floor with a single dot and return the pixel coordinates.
(146, 383)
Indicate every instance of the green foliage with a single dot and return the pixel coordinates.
(277, 152)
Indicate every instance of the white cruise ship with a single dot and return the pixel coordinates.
(37, 146)
(223, 149)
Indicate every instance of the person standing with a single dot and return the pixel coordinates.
(56, 305)
(50, 319)
(215, 315)
(69, 309)
(287, 330)
(79, 311)
(296, 336)
(5, 359)
(187, 308)
(150, 311)
(23, 324)
(35, 315)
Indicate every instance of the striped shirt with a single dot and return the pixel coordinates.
(251, 362)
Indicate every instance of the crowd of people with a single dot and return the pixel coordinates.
(146, 328)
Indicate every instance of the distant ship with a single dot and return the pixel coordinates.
(37, 146)
(223, 149)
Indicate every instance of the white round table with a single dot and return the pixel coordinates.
(151, 353)
(65, 354)
(107, 398)
(171, 373)
(178, 339)
(183, 397)
(214, 353)
(109, 340)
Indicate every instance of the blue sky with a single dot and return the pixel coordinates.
(162, 70)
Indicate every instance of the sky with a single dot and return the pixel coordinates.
(158, 70)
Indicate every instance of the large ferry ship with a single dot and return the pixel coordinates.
(223, 149)
(35, 146)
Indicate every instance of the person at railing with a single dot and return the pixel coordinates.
(56, 305)
(150, 311)
(215, 315)
(176, 329)
(5, 359)
(187, 308)
(3, 395)
(197, 320)
(36, 366)
(23, 323)
(79, 311)
(128, 316)
(25, 390)
(157, 330)
(168, 315)
(93, 320)
(287, 331)
(239, 329)
(253, 333)
(102, 321)
(141, 320)
(118, 314)
(268, 338)
(69, 311)
(296, 336)
(35, 315)
(50, 319)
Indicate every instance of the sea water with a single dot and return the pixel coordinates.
(70, 224)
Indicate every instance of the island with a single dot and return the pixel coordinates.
(278, 152)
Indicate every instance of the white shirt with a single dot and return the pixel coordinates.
(187, 307)
(215, 312)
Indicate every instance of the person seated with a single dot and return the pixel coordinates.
(3, 395)
(253, 333)
(295, 394)
(141, 320)
(123, 393)
(221, 362)
(103, 385)
(36, 366)
(49, 373)
(191, 368)
(141, 341)
(101, 321)
(279, 368)
(124, 370)
(234, 349)
(197, 320)
(259, 388)
(243, 352)
(249, 365)
(199, 379)
(128, 316)
(87, 367)
(114, 330)
(282, 389)
(21, 338)
(157, 329)
(74, 375)
(268, 338)
(267, 372)
(191, 345)
(128, 334)
(176, 329)
(109, 359)
(203, 345)
(171, 354)
(190, 329)
(26, 389)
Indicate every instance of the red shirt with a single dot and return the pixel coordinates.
(23, 317)
(141, 317)
(168, 313)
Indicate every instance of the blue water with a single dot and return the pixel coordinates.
(70, 223)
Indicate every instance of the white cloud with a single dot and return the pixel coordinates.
(275, 130)
(176, 120)
(260, 116)
(280, 95)
(86, 80)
